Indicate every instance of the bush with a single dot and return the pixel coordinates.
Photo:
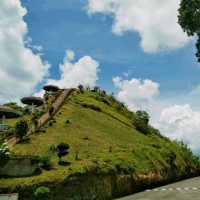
(21, 129)
(81, 88)
(188, 154)
(45, 162)
(96, 89)
(62, 150)
(141, 121)
(91, 106)
(42, 193)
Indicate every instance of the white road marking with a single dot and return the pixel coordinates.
(148, 190)
(172, 189)
(194, 188)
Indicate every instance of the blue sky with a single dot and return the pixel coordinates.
(57, 27)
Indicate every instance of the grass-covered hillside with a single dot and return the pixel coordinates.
(102, 139)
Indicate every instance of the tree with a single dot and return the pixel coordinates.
(62, 150)
(21, 129)
(81, 88)
(96, 89)
(42, 193)
(189, 19)
(141, 121)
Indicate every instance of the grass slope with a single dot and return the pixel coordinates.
(101, 133)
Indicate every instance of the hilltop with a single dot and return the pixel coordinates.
(105, 148)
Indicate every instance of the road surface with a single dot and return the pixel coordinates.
(184, 190)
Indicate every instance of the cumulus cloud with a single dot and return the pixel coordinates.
(155, 21)
(135, 93)
(20, 69)
(84, 72)
(181, 122)
(178, 122)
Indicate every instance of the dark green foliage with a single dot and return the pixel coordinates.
(189, 19)
(103, 93)
(172, 158)
(188, 155)
(81, 88)
(96, 89)
(21, 129)
(45, 162)
(42, 193)
(141, 121)
(102, 99)
(62, 150)
(67, 121)
(50, 123)
(154, 131)
(91, 106)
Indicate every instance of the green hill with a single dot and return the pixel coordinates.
(103, 142)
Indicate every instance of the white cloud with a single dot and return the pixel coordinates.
(179, 122)
(155, 21)
(84, 71)
(20, 69)
(182, 123)
(136, 94)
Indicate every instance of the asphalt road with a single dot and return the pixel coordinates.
(184, 190)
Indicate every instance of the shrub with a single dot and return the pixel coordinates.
(45, 162)
(188, 154)
(141, 121)
(119, 106)
(96, 89)
(62, 150)
(42, 193)
(21, 129)
(103, 93)
(172, 158)
(81, 88)
(67, 121)
(91, 106)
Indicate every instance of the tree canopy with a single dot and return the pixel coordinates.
(141, 121)
(189, 19)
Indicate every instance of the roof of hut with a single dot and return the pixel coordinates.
(52, 88)
(37, 101)
(9, 112)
